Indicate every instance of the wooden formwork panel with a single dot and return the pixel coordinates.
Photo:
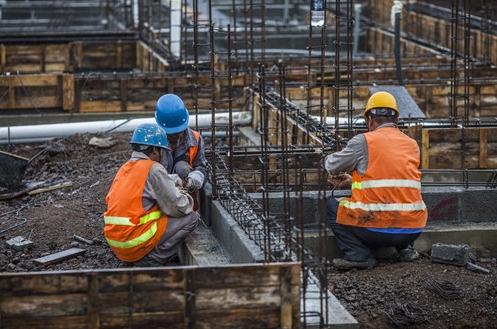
(480, 43)
(383, 42)
(456, 148)
(245, 296)
(35, 58)
(148, 61)
(36, 91)
(297, 168)
(106, 55)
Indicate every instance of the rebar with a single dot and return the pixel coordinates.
(407, 314)
(446, 289)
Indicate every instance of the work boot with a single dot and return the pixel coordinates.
(173, 260)
(147, 262)
(408, 254)
(344, 264)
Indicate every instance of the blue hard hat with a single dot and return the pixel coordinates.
(171, 114)
(150, 134)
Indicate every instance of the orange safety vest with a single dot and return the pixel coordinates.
(192, 153)
(388, 195)
(131, 231)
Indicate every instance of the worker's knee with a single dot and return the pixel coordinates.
(191, 221)
(182, 169)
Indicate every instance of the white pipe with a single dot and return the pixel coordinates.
(40, 133)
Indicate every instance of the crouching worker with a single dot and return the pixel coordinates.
(147, 216)
(187, 156)
(386, 208)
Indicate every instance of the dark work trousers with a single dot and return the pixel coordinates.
(356, 243)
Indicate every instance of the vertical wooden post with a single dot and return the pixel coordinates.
(425, 147)
(68, 92)
(190, 318)
(93, 306)
(3, 58)
(124, 94)
(286, 297)
(483, 147)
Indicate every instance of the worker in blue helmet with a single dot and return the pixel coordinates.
(148, 214)
(187, 156)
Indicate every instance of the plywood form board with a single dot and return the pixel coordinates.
(457, 148)
(245, 296)
(43, 91)
(107, 55)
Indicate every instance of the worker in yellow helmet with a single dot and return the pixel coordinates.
(386, 206)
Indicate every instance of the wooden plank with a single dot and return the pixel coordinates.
(124, 87)
(67, 92)
(59, 256)
(3, 53)
(93, 306)
(43, 322)
(239, 319)
(286, 298)
(44, 305)
(425, 149)
(246, 296)
(483, 148)
(33, 80)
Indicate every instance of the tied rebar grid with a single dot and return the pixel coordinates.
(247, 212)
(343, 84)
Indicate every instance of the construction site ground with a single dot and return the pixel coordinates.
(421, 294)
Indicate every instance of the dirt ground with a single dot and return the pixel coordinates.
(422, 294)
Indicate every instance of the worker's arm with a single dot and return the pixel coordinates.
(353, 156)
(172, 201)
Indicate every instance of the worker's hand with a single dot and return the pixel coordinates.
(339, 181)
(177, 180)
(194, 181)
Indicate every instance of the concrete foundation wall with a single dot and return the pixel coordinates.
(456, 215)
(446, 205)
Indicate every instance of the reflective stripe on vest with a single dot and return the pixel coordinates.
(387, 183)
(125, 221)
(383, 206)
(136, 241)
(115, 220)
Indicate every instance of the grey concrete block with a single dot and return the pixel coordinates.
(19, 243)
(450, 254)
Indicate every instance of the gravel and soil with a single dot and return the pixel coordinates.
(422, 294)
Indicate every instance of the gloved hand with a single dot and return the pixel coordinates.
(178, 182)
(194, 181)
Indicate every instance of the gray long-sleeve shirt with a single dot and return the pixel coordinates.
(160, 188)
(353, 156)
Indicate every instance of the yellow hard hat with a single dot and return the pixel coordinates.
(382, 100)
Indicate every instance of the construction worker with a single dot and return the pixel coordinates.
(386, 206)
(148, 213)
(187, 156)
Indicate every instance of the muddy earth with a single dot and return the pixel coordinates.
(422, 294)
